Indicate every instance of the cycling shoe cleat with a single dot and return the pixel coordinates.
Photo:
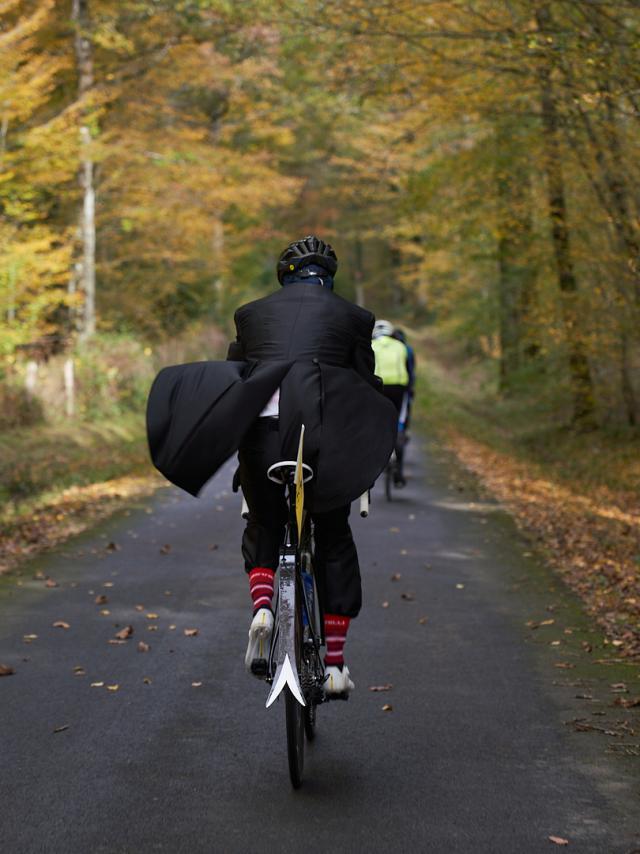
(260, 633)
(337, 683)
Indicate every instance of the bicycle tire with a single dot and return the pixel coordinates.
(295, 738)
(310, 721)
(294, 712)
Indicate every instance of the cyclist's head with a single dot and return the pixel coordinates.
(307, 258)
(382, 327)
(400, 334)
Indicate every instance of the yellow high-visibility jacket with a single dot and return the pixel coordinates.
(391, 360)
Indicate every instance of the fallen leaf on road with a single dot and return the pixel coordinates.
(167, 593)
(619, 688)
(60, 624)
(146, 680)
(394, 530)
(152, 628)
(171, 628)
(396, 576)
(196, 684)
(40, 576)
(387, 707)
(380, 687)
(61, 728)
(125, 633)
(112, 687)
(404, 552)
(29, 638)
(558, 840)
(555, 643)
(143, 647)
(101, 599)
(152, 616)
(191, 633)
(423, 620)
(50, 583)
(105, 612)
(5, 670)
(97, 684)
(408, 597)
(165, 549)
(112, 547)
(459, 586)
(139, 607)
(564, 665)
(385, 604)
(627, 702)
(108, 584)
(213, 547)
(116, 641)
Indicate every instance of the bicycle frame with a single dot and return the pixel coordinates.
(288, 642)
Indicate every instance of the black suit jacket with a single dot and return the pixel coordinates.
(316, 347)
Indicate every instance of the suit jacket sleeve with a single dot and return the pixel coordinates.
(235, 352)
(364, 360)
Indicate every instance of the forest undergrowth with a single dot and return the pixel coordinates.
(58, 480)
(573, 493)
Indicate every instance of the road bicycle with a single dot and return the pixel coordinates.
(402, 440)
(293, 665)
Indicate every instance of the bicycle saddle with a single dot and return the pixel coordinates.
(281, 472)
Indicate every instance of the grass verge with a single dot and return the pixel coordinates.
(575, 495)
(57, 480)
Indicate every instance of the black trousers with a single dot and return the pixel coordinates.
(396, 394)
(336, 559)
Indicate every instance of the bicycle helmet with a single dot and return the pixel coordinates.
(301, 253)
(382, 327)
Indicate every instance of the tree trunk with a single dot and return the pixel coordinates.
(87, 265)
(628, 394)
(581, 381)
(217, 249)
(357, 271)
(516, 276)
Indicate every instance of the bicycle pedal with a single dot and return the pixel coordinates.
(259, 667)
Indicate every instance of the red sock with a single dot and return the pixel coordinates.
(261, 587)
(335, 633)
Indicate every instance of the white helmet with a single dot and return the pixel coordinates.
(382, 327)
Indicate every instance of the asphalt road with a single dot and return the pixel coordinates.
(478, 753)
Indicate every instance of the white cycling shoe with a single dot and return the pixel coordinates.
(260, 633)
(337, 682)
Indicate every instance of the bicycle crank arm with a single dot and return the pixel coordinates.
(286, 670)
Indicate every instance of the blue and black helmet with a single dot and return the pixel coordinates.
(302, 253)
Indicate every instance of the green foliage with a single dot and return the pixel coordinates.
(475, 165)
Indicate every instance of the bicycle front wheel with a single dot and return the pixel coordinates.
(295, 737)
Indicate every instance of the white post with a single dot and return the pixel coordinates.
(69, 387)
(31, 376)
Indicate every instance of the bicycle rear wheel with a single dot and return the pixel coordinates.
(309, 715)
